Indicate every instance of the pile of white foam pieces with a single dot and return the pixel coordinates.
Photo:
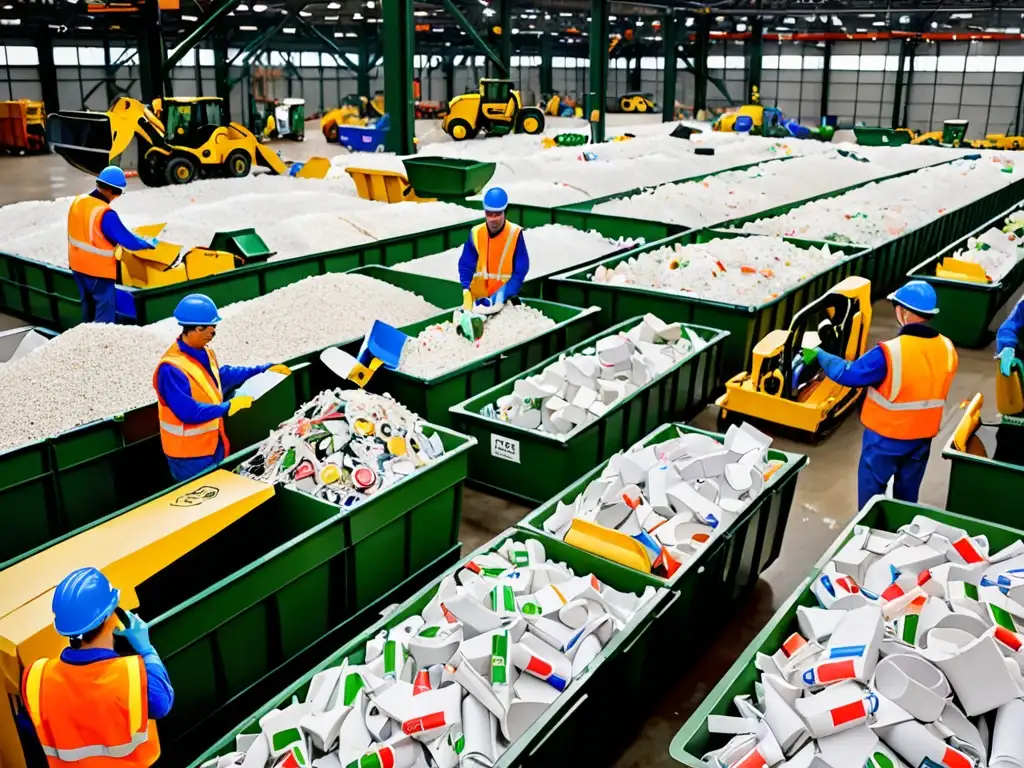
(440, 348)
(552, 248)
(912, 658)
(498, 644)
(996, 250)
(878, 212)
(746, 270)
(580, 388)
(665, 501)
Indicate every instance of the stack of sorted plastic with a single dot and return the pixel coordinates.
(913, 659)
(343, 446)
(656, 506)
(990, 256)
(580, 388)
(745, 271)
(455, 686)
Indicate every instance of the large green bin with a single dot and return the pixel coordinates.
(534, 466)
(984, 488)
(40, 293)
(447, 177)
(729, 564)
(966, 310)
(746, 325)
(874, 136)
(694, 739)
(566, 733)
(431, 398)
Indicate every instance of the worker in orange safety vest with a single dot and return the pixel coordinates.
(907, 380)
(93, 707)
(494, 261)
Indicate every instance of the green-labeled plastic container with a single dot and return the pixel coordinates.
(694, 740)
(431, 398)
(966, 309)
(746, 324)
(564, 734)
(984, 488)
(534, 466)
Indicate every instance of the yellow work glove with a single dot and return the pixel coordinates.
(467, 300)
(236, 404)
(281, 368)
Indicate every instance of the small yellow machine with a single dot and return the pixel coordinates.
(780, 389)
(354, 110)
(181, 139)
(496, 108)
(636, 102)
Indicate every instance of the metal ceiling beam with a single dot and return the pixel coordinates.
(473, 35)
(223, 8)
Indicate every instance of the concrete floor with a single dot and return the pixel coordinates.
(826, 495)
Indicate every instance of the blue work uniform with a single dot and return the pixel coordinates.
(98, 293)
(882, 458)
(176, 392)
(1009, 332)
(159, 693)
(1010, 437)
(520, 264)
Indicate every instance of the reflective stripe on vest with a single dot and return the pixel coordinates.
(484, 280)
(138, 725)
(89, 251)
(189, 441)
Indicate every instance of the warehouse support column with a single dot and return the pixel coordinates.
(449, 77)
(505, 40)
(826, 76)
(363, 72)
(597, 95)
(1020, 105)
(398, 57)
(755, 57)
(897, 96)
(47, 71)
(669, 31)
(151, 54)
(547, 81)
(912, 50)
(700, 63)
(636, 82)
(221, 70)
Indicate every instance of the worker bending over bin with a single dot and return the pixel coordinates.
(94, 229)
(1010, 436)
(907, 380)
(190, 387)
(494, 261)
(92, 706)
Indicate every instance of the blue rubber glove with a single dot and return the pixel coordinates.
(499, 295)
(137, 633)
(1006, 358)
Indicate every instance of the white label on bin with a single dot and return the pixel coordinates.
(504, 448)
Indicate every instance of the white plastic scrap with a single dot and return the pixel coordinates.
(343, 446)
(439, 348)
(745, 271)
(553, 248)
(571, 393)
(996, 250)
(913, 658)
(497, 645)
(675, 496)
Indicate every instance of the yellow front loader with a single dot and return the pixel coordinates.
(181, 139)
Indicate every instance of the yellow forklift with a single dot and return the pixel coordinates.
(496, 108)
(181, 139)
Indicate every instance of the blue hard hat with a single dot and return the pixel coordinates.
(83, 601)
(113, 176)
(917, 296)
(196, 309)
(495, 199)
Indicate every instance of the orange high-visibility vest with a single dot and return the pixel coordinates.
(907, 405)
(91, 716)
(89, 251)
(494, 258)
(191, 441)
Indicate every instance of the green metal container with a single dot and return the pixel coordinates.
(565, 733)
(431, 398)
(729, 564)
(252, 608)
(954, 132)
(694, 739)
(746, 325)
(39, 293)
(534, 466)
(984, 488)
(245, 243)
(872, 136)
(966, 310)
(445, 177)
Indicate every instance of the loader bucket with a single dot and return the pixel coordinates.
(84, 139)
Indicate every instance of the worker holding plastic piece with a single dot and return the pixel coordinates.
(494, 261)
(1008, 339)
(190, 387)
(94, 229)
(908, 379)
(92, 706)
(1009, 434)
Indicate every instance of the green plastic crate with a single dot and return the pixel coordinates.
(534, 466)
(984, 488)
(245, 243)
(966, 310)
(872, 136)
(447, 176)
(431, 398)
(694, 739)
(729, 564)
(564, 734)
(39, 293)
(746, 325)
